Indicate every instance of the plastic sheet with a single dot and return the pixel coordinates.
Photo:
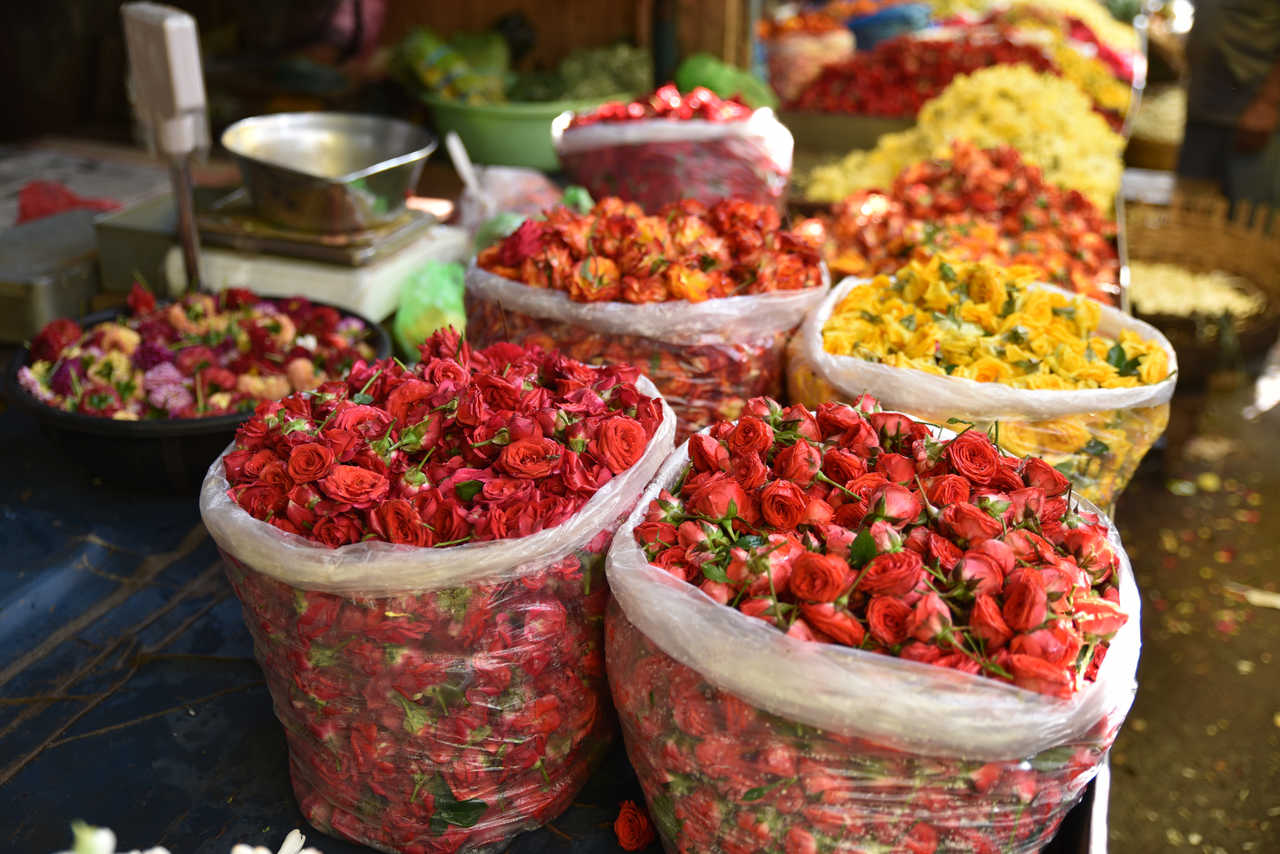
(747, 739)
(706, 358)
(655, 162)
(1097, 437)
(433, 699)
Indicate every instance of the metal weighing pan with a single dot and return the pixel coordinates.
(328, 172)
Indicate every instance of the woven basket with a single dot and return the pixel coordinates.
(1203, 234)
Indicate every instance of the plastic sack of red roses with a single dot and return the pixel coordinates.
(775, 722)
(420, 558)
(657, 161)
(707, 358)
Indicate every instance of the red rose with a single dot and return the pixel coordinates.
(887, 618)
(834, 622)
(355, 486)
(947, 489)
(409, 402)
(1099, 618)
(896, 430)
(864, 485)
(309, 462)
(892, 574)
(1025, 602)
(619, 443)
(819, 578)
(801, 421)
(930, 618)
(850, 514)
(261, 500)
(945, 552)
(633, 828)
(1006, 478)
(967, 522)
(837, 418)
(397, 522)
(817, 513)
(531, 458)
(749, 471)
(1028, 547)
(1092, 551)
(719, 497)
(972, 455)
(980, 571)
(751, 435)
(367, 421)
(896, 468)
(843, 466)
(56, 336)
(339, 530)
(233, 465)
(1036, 472)
(141, 301)
(783, 504)
(798, 463)
(896, 504)
(654, 533)
(1056, 645)
(707, 454)
(987, 624)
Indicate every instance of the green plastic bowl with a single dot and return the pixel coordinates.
(510, 134)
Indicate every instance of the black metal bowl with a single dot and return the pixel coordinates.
(154, 456)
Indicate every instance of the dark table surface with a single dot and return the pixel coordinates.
(129, 696)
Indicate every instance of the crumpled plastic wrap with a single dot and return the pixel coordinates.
(708, 359)
(434, 700)
(655, 162)
(1096, 437)
(746, 739)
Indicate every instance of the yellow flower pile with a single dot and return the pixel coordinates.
(984, 323)
(1094, 15)
(1048, 119)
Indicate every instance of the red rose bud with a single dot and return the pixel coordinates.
(1000, 552)
(310, 461)
(987, 624)
(969, 523)
(720, 497)
(1099, 618)
(1036, 674)
(896, 468)
(894, 574)
(1036, 472)
(750, 471)
(1026, 546)
(834, 622)
(895, 429)
(798, 463)
(762, 608)
(619, 443)
(721, 593)
(835, 419)
(1092, 550)
(887, 618)
(798, 419)
(783, 504)
(917, 540)
(706, 454)
(895, 504)
(530, 458)
(819, 578)
(751, 435)
(971, 455)
(843, 466)
(1025, 602)
(942, 550)
(800, 631)
(886, 537)
(930, 618)
(981, 572)
(817, 513)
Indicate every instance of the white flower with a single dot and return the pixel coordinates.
(99, 840)
(292, 845)
(307, 342)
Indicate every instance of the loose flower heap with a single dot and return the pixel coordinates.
(857, 528)
(687, 251)
(453, 718)
(981, 205)
(861, 529)
(198, 357)
(984, 323)
(616, 255)
(725, 150)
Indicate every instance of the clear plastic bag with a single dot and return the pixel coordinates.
(655, 162)
(1097, 437)
(746, 739)
(708, 359)
(433, 699)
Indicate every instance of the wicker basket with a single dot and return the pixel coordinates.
(1203, 234)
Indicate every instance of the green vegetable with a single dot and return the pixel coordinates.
(430, 299)
(497, 228)
(484, 52)
(703, 69)
(577, 198)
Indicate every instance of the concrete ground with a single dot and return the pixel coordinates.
(1197, 765)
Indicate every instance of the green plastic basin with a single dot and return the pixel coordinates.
(510, 134)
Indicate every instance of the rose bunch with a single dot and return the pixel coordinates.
(666, 102)
(468, 445)
(427, 599)
(915, 578)
(857, 527)
(200, 356)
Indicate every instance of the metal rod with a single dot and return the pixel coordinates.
(188, 235)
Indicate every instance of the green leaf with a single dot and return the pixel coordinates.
(760, 791)
(362, 399)
(663, 810)
(415, 717)
(715, 572)
(1116, 359)
(909, 322)
(862, 549)
(450, 810)
(1053, 759)
(468, 489)
(947, 272)
(751, 541)
(1065, 311)
(1010, 305)
(1095, 448)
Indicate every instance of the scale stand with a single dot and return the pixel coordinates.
(168, 87)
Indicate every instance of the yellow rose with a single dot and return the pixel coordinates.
(1053, 436)
(1154, 367)
(986, 370)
